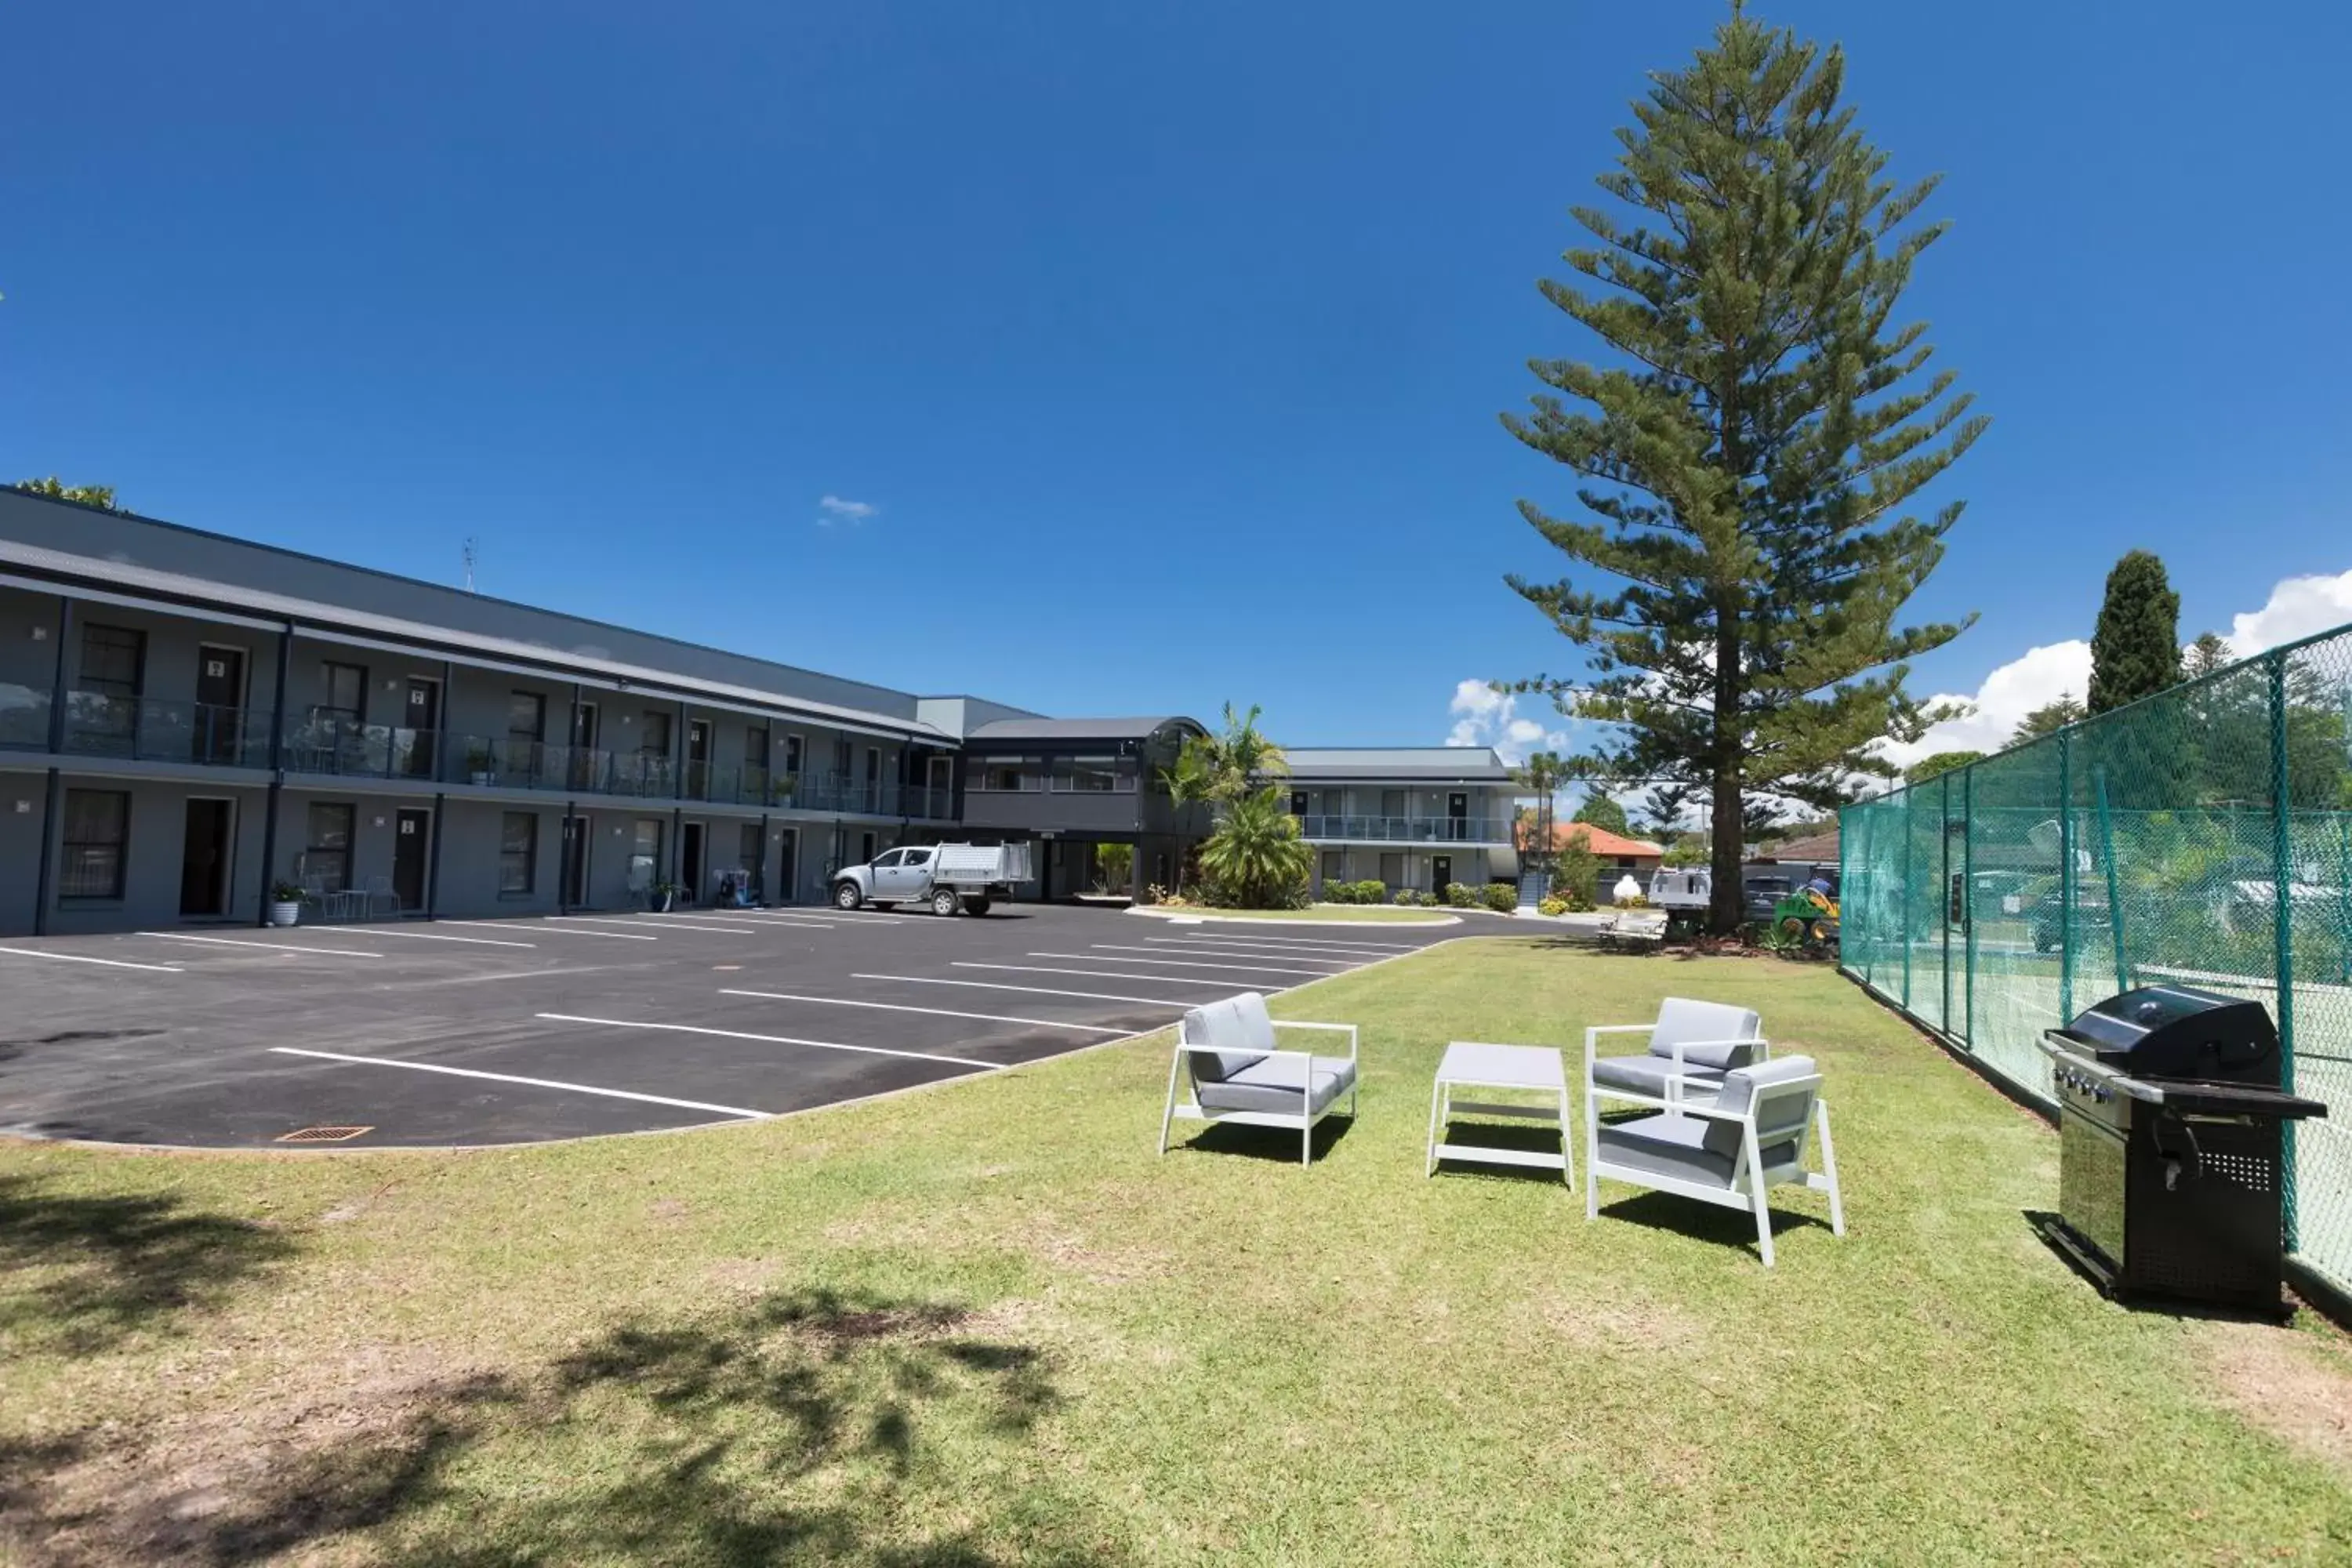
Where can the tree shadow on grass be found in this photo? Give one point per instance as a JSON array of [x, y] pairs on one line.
[[814, 1426], [106, 1267]]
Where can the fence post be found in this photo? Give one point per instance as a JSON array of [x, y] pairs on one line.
[[2283, 890], [2066, 879], [2115, 881], [1944, 897], [1968, 899], [1904, 923]]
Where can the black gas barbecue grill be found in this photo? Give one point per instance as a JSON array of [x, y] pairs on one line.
[[2169, 1146]]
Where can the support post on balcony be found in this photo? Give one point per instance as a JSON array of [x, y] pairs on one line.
[[677, 832], [277, 771], [58, 690], [441, 732], [678, 757], [433, 853], [53, 794], [759, 871]]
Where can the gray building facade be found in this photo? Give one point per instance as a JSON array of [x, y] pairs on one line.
[[188, 720]]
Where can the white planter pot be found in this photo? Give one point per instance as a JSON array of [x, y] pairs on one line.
[[285, 913]]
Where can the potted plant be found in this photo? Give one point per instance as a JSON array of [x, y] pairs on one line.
[[663, 895], [480, 769], [285, 903]]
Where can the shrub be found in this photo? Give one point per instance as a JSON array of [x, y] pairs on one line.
[[1425, 901], [1637, 903], [1371, 890], [1462, 895], [1407, 897], [1338, 892], [1555, 905], [1502, 898]]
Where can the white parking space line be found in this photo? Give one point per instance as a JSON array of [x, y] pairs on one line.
[[773, 1040], [875, 914], [935, 1012], [78, 958], [1101, 973], [436, 936], [756, 917], [1295, 961], [566, 930], [1032, 990], [753, 921], [1189, 963], [534, 1082], [1215, 952], [1224, 940], [658, 925], [264, 946]]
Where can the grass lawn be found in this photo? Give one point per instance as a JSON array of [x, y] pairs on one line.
[[986, 1324], [1381, 914]]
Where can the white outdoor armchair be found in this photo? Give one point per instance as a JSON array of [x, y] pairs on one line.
[[1690, 1047], [1233, 1071], [1730, 1151]]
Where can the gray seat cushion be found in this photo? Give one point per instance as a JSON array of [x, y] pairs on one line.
[[1238, 1031], [1686, 1148], [1274, 1085], [1648, 1075]]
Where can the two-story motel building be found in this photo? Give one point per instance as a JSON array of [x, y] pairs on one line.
[[187, 720]]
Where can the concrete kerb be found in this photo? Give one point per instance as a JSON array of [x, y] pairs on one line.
[[727, 1125], [1198, 917]]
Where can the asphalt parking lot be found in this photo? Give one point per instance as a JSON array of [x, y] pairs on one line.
[[466, 1032]]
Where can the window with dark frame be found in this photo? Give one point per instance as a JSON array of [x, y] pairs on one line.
[[792, 754], [526, 718], [653, 740], [344, 686], [755, 746], [518, 853], [113, 660], [97, 843], [327, 850]]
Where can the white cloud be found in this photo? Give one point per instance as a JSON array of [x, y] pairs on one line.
[[2034, 680], [833, 511], [1485, 717], [2297, 607]]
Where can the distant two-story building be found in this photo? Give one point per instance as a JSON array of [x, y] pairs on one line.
[[1409, 816], [188, 719]]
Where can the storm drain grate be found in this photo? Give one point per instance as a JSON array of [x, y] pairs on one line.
[[323, 1134]]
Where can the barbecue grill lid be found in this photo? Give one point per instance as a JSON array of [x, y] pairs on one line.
[[2181, 1031]]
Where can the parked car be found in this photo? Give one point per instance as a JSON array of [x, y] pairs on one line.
[[2050, 920], [1764, 895], [947, 876]]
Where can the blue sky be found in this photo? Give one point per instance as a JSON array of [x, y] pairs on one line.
[[1174, 336]]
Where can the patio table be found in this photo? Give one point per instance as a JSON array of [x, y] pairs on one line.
[[1475, 1064]]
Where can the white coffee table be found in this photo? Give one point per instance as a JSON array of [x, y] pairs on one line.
[[1474, 1064]]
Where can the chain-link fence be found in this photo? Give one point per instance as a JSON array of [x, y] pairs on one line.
[[2202, 836]]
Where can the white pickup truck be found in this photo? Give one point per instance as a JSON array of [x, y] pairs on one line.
[[947, 877]]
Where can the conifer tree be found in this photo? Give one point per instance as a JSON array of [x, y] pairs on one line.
[[2136, 650], [1747, 452]]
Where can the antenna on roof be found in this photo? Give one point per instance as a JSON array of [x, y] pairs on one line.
[[471, 554]]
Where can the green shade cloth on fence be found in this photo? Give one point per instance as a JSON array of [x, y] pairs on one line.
[[2203, 835]]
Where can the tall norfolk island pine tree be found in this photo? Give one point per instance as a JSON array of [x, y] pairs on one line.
[[1746, 457]]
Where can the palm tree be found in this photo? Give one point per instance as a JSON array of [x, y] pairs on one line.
[[1541, 775], [1191, 783], [1255, 856], [1242, 760]]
